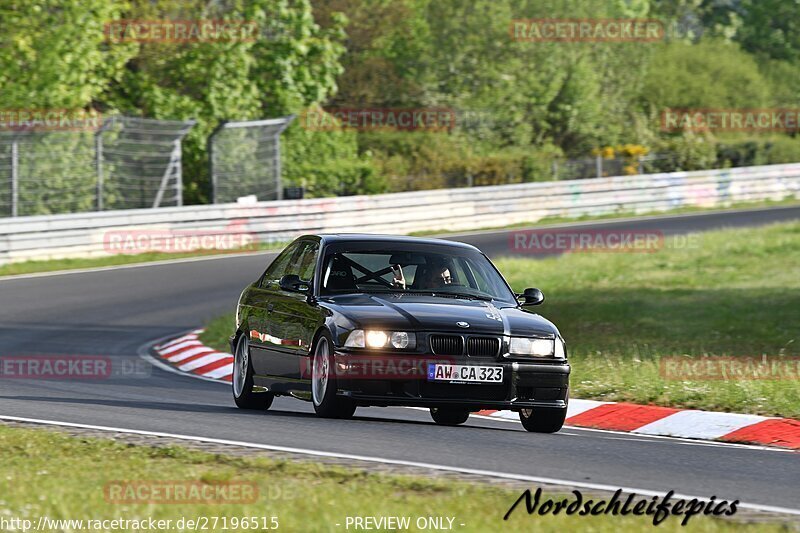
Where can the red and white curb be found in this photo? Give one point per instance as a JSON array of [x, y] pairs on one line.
[[684, 423], [187, 354]]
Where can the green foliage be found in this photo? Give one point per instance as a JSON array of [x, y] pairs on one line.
[[770, 28], [292, 65], [774, 150], [708, 74], [699, 295], [52, 53], [327, 163], [43, 191], [55, 55], [690, 151]]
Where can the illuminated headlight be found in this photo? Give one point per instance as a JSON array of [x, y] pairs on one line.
[[377, 339], [533, 347], [400, 340]]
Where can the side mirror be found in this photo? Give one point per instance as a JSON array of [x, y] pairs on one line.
[[530, 297], [293, 283]]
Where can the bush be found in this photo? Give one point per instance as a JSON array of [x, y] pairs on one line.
[[782, 150], [779, 149], [431, 160], [327, 163], [711, 74], [689, 151]]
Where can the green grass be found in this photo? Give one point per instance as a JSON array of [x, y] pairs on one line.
[[45, 473], [734, 293], [217, 332], [53, 265], [737, 293]]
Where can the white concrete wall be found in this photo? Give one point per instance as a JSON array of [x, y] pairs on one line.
[[87, 234]]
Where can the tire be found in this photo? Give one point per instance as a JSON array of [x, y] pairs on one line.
[[323, 383], [446, 416], [542, 420], [242, 380]]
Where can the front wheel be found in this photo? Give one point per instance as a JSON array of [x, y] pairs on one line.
[[242, 380], [542, 420], [449, 416], [323, 383]]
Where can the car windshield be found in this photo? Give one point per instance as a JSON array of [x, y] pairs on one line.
[[450, 273]]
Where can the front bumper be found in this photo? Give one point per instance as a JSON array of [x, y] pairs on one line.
[[525, 385]]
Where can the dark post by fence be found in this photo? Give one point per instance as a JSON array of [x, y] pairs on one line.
[[14, 178]]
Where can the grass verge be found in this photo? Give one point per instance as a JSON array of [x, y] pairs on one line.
[[731, 293], [734, 293], [46, 473]]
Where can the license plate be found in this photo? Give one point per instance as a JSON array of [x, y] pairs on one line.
[[465, 373]]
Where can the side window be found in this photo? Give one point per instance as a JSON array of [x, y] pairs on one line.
[[279, 265], [475, 278], [306, 262]]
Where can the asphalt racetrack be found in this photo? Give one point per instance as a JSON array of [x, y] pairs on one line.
[[117, 312]]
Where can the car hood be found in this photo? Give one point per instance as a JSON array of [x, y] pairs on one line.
[[431, 313]]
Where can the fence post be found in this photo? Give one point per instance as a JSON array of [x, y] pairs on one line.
[[173, 168], [277, 166], [14, 178], [98, 150], [178, 151], [99, 158], [599, 165], [212, 174]]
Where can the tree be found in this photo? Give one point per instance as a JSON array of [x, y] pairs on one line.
[[53, 53], [291, 65]]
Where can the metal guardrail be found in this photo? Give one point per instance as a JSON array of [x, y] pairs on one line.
[[86, 234]]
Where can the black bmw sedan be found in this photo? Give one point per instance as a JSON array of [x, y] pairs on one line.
[[352, 320]]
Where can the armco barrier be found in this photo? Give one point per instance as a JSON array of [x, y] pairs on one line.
[[83, 234]]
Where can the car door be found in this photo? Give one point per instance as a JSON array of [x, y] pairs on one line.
[[293, 319], [260, 301]]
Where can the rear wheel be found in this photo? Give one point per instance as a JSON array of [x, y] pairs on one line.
[[542, 420], [242, 380], [445, 416], [323, 383]]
